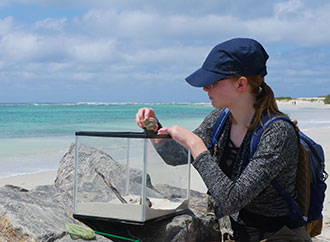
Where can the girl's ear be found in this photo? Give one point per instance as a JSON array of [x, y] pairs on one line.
[[242, 84]]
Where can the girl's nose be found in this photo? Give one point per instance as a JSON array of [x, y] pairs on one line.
[[207, 88]]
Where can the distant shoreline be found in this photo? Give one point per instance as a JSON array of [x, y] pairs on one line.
[[81, 103], [304, 99], [316, 102]]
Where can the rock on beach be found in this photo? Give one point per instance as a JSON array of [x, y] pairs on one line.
[[40, 214]]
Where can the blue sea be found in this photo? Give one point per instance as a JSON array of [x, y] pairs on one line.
[[34, 137]]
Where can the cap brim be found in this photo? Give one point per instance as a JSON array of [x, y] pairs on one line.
[[202, 78]]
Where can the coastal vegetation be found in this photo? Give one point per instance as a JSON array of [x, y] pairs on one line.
[[284, 98], [327, 99], [313, 100]]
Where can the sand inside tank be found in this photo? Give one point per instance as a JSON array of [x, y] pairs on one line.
[[131, 211]]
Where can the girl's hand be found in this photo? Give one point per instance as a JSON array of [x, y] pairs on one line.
[[143, 114], [186, 138]]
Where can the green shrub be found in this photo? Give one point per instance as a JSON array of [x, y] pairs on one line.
[[327, 99], [284, 98]]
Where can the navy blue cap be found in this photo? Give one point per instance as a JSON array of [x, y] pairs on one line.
[[239, 56]]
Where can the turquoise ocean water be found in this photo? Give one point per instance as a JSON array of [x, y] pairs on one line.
[[34, 137]]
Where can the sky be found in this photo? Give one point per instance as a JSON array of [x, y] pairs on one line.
[[141, 51]]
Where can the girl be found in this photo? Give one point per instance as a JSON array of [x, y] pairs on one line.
[[233, 77]]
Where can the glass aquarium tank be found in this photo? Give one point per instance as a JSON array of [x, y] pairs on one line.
[[130, 177]]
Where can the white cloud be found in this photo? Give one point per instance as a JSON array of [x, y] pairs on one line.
[[100, 51], [283, 9], [121, 43], [19, 46], [166, 55], [25, 47], [6, 25], [51, 24], [291, 21]]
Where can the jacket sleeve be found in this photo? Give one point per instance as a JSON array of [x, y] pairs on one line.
[[175, 154], [276, 153]]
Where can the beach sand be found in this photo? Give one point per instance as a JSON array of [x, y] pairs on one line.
[[30, 181], [304, 102], [321, 136]]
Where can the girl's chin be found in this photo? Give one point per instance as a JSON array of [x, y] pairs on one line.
[[216, 105]]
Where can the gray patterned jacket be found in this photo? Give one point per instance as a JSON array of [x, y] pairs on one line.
[[276, 157]]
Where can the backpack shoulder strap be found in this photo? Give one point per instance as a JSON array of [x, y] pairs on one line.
[[256, 135], [294, 210], [220, 123]]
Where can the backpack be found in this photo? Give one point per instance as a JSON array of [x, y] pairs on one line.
[[311, 174]]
